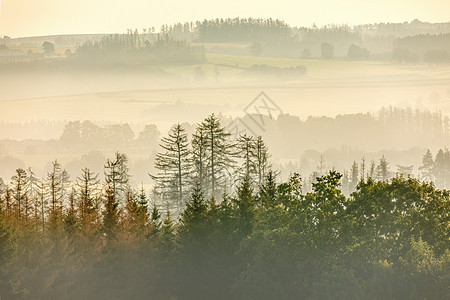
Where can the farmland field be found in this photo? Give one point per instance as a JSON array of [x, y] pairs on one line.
[[330, 87]]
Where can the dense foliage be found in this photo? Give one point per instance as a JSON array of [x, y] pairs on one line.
[[261, 238]]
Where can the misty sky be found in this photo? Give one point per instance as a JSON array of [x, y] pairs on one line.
[[44, 17]]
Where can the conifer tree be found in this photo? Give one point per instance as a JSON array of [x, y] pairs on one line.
[[441, 169], [194, 244], [363, 169], [55, 188], [116, 176], [155, 221], [219, 155], [19, 182], [193, 218], [246, 151], [41, 202], [8, 200], [262, 159], [7, 253], [268, 190], [87, 207], [70, 218], [354, 175], [245, 207], [383, 172], [142, 211], [372, 169], [427, 166], [110, 213], [199, 146], [174, 164]]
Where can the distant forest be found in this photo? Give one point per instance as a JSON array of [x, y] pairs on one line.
[[409, 42], [133, 46], [220, 224], [309, 147], [428, 42]]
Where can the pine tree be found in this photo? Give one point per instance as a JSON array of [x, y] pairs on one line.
[[194, 243], [174, 165], [383, 172], [87, 205], [142, 210], [427, 166], [155, 221], [7, 253], [245, 207], [70, 218], [268, 190], [363, 169], [41, 202], [19, 182], [55, 188], [219, 155], [116, 176], [110, 213], [167, 234], [262, 159], [199, 146], [441, 169], [354, 175], [371, 173], [193, 218], [33, 197], [246, 151]]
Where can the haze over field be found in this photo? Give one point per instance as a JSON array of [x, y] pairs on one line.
[[190, 150]]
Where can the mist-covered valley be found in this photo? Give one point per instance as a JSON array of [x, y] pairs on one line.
[[236, 158]]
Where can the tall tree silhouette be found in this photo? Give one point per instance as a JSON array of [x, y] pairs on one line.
[[174, 164]]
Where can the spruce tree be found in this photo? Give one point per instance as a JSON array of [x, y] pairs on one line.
[[219, 155], [354, 175], [245, 203], [363, 169], [199, 146], [427, 166], [19, 182], [155, 221], [268, 191], [116, 176], [142, 210], [7, 253], [193, 218], [383, 172], [246, 151], [441, 169], [174, 165], [55, 188], [262, 159], [87, 184], [371, 173], [110, 213]]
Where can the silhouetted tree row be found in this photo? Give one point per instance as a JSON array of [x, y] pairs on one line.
[[87, 135], [406, 121], [212, 161], [138, 47], [422, 42], [436, 169], [242, 30]]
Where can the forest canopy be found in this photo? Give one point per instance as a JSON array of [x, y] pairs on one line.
[[220, 224]]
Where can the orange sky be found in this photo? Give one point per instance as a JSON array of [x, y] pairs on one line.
[[44, 17]]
